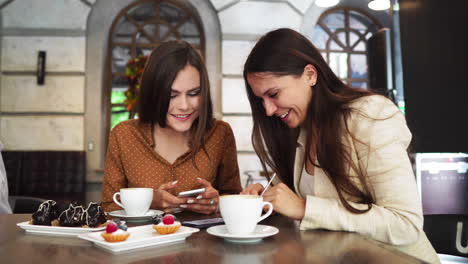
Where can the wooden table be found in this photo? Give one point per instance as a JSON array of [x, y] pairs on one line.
[[289, 246]]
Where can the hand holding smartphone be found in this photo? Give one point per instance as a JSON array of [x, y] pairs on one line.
[[191, 193]]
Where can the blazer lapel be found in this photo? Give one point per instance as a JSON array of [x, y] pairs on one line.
[[299, 160]]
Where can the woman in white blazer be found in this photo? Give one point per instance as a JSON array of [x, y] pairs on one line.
[[339, 152]]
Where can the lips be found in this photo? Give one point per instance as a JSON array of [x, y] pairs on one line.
[[284, 116], [182, 117]]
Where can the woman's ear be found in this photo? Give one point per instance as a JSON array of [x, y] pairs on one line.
[[310, 73]]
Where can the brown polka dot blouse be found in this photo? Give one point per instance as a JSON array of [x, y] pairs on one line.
[[132, 162]]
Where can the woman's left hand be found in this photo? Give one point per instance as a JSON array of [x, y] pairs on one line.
[[285, 201], [205, 203]]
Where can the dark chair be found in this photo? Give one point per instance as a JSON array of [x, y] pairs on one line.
[[448, 233], [24, 204], [54, 175], [443, 183]]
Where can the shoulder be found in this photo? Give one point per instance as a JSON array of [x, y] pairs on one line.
[[220, 124], [127, 128], [376, 115], [125, 125], [220, 132], [221, 127], [373, 106]]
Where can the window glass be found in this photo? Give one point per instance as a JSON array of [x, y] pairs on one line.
[[320, 37], [334, 20], [358, 21], [334, 45], [339, 64], [358, 66], [359, 85], [353, 38], [360, 46], [119, 114]]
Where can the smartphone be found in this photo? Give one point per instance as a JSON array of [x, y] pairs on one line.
[[204, 223], [191, 193]]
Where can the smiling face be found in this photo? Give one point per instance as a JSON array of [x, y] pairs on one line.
[[286, 97], [185, 100]]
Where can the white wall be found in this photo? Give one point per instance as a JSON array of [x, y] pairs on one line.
[[49, 116]]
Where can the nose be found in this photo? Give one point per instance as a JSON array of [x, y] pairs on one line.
[[270, 107], [183, 103]]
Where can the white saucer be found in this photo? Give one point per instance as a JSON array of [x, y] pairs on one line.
[[261, 231], [122, 215]]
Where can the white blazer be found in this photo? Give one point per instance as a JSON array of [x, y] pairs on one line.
[[380, 150]]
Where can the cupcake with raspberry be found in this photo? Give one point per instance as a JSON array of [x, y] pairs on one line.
[[166, 225], [115, 232]]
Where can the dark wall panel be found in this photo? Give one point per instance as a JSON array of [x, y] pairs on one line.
[[434, 42]]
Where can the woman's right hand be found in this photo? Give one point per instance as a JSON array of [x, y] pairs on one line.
[[163, 199], [255, 189]]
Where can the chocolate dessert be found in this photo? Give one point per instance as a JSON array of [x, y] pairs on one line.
[[72, 216], [93, 215], [45, 214]]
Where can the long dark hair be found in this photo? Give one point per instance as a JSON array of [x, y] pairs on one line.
[[160, 71], [286, 52]]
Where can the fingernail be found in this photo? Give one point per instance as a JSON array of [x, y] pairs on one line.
[[190, 201], [198, 178], [174, 182], [183, 206], [199, 197]]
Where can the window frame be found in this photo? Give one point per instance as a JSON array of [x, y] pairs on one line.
[[347, 47]]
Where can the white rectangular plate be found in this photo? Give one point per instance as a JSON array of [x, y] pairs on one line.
[[140, 237], [57, 230]]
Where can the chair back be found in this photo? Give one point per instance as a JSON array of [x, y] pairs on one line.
[[54, 175], [443, 185], [24, 204]]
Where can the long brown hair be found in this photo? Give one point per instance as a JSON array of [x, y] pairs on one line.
[[286, 52], [160, 71]]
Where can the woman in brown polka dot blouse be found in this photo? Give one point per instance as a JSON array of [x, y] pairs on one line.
[[175, 144]]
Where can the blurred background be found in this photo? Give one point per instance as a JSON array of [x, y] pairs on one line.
[[68, 71]]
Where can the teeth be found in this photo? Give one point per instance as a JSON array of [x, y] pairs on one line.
[[181, 116], [285, 114]]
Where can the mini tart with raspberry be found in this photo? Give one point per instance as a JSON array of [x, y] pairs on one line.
[[168, 225], [115, 233]]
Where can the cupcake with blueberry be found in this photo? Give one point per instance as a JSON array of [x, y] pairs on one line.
[[116, 231], [166, 225]]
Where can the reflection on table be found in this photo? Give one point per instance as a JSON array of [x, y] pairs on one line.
[[290, 245]]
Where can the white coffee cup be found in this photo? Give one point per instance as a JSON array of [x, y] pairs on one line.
[[241, 213], [135, 201]]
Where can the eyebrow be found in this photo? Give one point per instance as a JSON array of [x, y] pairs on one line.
[[191, 90]]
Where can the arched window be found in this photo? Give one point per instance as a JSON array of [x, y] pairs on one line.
[[341, 36], [138, 29]]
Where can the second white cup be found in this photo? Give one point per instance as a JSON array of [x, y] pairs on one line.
[[135, 201], [241, 213]]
